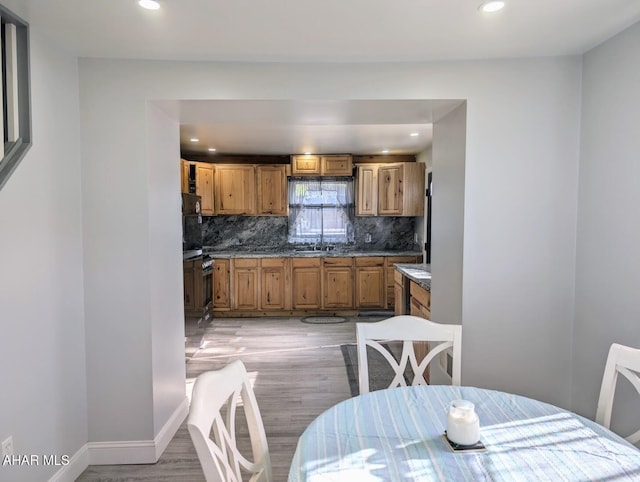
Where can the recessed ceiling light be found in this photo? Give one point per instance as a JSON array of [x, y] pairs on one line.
[[385, 151], [194, 139], [307, 153], [491, 6], [414, 134], [212, 149], [149, 4]]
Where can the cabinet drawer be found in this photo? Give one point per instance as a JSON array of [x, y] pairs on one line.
[[370, 261], [306, 262], [398, 277], [272, 262], [246, 262], [345, 262]]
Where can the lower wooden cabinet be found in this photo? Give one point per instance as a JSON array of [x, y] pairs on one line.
[[274, 284], [306, 283], [189, 286], [245, 285], [389, 262], [420, 301], [338, 283], [221, 285], [370, 282]]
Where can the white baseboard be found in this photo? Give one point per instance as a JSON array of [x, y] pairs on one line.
[[138, 451], [122, 453], [77, 464]]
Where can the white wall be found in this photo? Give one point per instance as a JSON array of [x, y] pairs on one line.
[[447, 223], [608, 264], [520, 210], [43, 388]]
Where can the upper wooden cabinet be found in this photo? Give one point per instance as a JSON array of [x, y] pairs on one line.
[[197, 178], [396, 189], [204, 187], [305, 165], [235, 189], [329, 165], [336, 165], [271, 182], [367, 190], [401, 189]]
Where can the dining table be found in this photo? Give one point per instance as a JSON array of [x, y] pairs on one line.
[[397, 434]]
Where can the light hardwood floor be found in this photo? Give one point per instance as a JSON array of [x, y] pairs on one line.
[[299, 373]]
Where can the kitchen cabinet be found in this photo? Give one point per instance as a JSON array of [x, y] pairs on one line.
[[336, 165], [338, 282], [189, 284], [245, 284], [396, 189], [420, 301], [235, 189], [370, 282], [306, 282], [184, 176], [327, 165], [389, 262], [400, 294], [221, 285], [367, 190], [274, 284], [401, 189], [204, 187], [420, 306], [305, 165], [271, 183]]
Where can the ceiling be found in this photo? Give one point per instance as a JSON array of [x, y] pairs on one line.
[[322, 31]]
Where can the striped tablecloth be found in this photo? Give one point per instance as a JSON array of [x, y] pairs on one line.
[[396, 435]]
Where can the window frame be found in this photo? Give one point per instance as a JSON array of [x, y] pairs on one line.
[[323, 237], [14, 150]]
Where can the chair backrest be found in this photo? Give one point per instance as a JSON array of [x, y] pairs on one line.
[[408, 329], [625, 360], [217, 392]]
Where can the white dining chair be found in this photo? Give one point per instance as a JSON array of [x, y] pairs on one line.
[[625, 360], [408, 329], [217, 392]]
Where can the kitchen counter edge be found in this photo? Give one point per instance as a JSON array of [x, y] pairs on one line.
[[306, 254], [416, 273]]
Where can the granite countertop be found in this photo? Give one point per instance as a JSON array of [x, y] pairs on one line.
[[295, 253], [420, 273]]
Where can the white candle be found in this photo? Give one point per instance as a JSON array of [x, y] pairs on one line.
[[463, 424]]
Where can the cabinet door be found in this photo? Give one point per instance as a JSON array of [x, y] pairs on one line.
[[390, 189], [235, 189], [398, 305], [305, 165], [367, 190], [272, 190], [204, 187], [189, 286], [221, 284], [338, 287], [245, 284], [336, 165], [274, 286], [370, 286], [184, 176], [306, 282]]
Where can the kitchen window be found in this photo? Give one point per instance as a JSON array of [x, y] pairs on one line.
[[321, 211], [15, 122]]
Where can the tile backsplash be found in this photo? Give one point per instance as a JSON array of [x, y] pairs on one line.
[[270, 232]]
